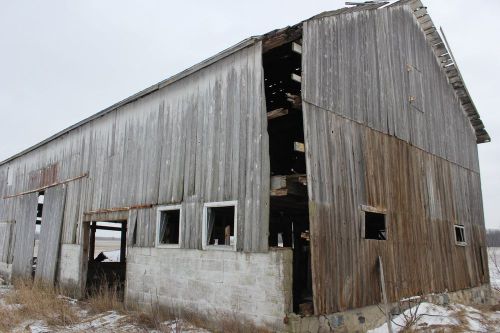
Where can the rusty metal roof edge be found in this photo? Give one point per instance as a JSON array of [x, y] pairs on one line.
[[205, 63]]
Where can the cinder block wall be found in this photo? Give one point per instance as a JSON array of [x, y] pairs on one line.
[[69, 269], [217, 285]]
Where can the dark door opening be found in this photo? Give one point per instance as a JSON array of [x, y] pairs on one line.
[[38, 228], [107, 250], [289, 213]]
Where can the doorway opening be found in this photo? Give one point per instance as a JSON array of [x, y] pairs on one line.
[[289, 213], [107, 255], [38, 228]]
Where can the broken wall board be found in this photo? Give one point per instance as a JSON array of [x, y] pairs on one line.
[[50, 234], [6, 232], [24, 235], [277, 113]]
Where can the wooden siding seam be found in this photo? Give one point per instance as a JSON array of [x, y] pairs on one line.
[[376, 130]]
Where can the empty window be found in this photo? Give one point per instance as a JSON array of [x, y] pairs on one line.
[[374, 226], [460, 234], [168, 226], [219, 228]]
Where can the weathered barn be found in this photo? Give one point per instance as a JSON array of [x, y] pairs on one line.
[[270, 178]]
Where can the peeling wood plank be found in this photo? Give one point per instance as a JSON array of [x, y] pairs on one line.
[[277, 113]]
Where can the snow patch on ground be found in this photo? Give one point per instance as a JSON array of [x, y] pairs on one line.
[[494, 265], [113, 256], [435, 318]]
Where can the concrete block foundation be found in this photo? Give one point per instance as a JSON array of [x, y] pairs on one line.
[[364, 319], [222, 287]]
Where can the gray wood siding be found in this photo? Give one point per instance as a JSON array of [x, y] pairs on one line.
[[366, 66], [366, 144], [6, 233], [24, 238], [50, 234], [201, 138]]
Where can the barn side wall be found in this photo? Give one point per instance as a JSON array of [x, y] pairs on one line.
[[199, 139], [383, 128], [225, 289]]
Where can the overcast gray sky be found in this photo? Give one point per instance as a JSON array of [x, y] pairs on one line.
[[62, 61]]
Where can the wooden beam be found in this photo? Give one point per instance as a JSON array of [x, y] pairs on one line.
[[123, 242], [280, 37], [296, 78], [92, 242], [299, 147], [295, 100], [277, 113], [40, 189], [119, 209], [284, 185], [278, 182], [297, 48], [279, 192], [97, 227]]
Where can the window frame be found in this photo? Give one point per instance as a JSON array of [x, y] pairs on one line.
[[159, 210], [457, 242], [369, 209], [206, 206]]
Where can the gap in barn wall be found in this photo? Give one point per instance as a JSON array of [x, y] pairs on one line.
[[289, 214]]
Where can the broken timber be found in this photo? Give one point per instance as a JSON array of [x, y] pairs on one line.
[[289, 185]]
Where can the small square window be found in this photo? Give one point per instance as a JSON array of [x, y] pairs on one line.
[[219, 225], [168, 227], [374, 226], [460, 235]]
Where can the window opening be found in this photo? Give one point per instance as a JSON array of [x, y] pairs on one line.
[[375, 226], [460, 235], [220, 225], [168, 226]]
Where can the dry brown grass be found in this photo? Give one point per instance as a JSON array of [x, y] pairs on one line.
[[31, 301], [104, 298], [9, 320]]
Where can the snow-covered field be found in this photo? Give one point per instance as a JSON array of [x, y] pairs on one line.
[[113, 256], [494, 264]]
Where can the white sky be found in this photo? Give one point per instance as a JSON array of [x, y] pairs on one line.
[[62, 61]]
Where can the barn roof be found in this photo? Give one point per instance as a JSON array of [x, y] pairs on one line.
[[281, 36]]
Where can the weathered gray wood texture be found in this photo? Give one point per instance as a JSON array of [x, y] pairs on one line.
[[50, 234], [376, 61], [24, 238], [366, 144], [201, 138], [6, 233]]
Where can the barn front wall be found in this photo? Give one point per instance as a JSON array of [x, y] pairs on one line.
[[385, 132], [198, 139], [224, 289]]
